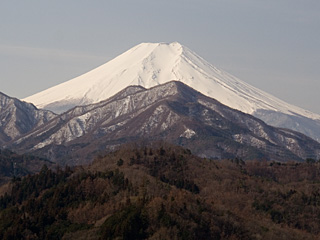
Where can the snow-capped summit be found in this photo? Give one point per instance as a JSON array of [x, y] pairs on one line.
[[151, 64]]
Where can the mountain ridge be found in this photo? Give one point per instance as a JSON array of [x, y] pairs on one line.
[[173, 112]]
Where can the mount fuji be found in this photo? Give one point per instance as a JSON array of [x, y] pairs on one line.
[[152, 64]]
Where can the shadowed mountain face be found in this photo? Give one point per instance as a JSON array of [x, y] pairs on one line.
[[172, 112], [18, 118], [14, 165]]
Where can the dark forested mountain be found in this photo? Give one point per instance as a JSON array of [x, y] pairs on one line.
[[15, 165], [162, 191], [18, 118], [172, 112]]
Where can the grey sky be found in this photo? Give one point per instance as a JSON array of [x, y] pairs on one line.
[[273, 45]]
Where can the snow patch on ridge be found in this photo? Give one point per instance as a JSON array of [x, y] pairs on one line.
[[188, 133]]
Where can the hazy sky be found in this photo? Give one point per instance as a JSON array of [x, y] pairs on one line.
[[273, 45]]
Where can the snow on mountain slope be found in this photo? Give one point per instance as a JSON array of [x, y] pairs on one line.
[[173, 112], [151, 64]]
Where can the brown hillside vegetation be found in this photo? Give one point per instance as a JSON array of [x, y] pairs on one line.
[[164, 192]]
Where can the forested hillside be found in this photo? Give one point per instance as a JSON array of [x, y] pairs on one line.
[[164, 192], [16, 165]]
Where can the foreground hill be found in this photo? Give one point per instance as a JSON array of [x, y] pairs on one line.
[[164, 192], [172, 112]]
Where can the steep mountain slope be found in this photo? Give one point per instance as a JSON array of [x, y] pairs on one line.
[[172, 112], [17, 118], [151, 64]]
